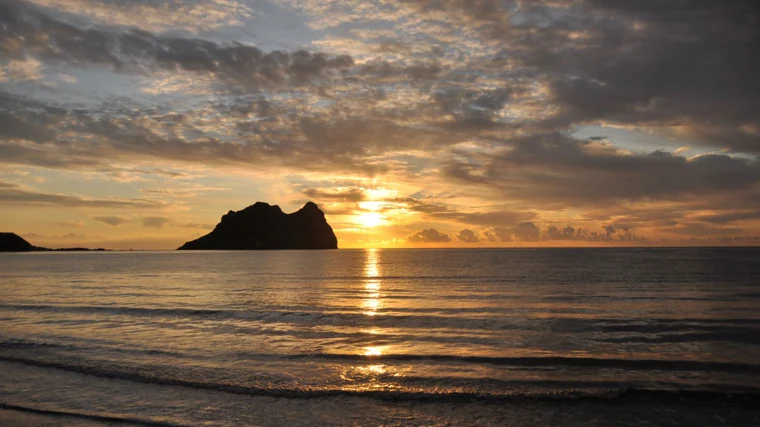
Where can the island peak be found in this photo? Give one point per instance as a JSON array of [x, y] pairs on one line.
[[265, 226], [12, 242]]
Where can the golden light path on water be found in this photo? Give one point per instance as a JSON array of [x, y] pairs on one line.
[[370, 304], [372, 301]]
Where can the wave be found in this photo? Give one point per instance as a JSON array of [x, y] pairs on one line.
[[23, 344], [630, 364], [438, 316], [734, 336], [747, 397], [526, 279], [169, 312], [516, 361], [396, 319], [86, 416]]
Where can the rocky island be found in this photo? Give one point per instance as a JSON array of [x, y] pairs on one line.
[[12, 242], [262, 226]]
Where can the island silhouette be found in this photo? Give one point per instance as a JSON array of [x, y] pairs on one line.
[[264, 226], [12, 242], [259, 226]]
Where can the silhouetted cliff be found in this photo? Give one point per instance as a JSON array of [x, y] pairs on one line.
[[12, 242], [262, 226]]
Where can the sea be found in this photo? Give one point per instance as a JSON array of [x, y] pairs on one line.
[[391, 337]]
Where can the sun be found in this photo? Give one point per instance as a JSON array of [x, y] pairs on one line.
[[369, 219]]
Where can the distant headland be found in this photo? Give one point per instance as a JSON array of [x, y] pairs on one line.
[[12, 242], [262, 226], [259, 226]]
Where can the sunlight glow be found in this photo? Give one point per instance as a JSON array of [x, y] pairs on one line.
[[369, 219], [371, 205], [377, 350]]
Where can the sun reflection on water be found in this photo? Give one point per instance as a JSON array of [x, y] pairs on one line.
[[375, 350], [371, 302], [374, 369], [369, 377]]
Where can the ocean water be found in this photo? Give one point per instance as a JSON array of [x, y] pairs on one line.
[[523, 337]]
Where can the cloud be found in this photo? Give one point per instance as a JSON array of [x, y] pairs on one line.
[[567, 233], [498, 234], [703, 230], [11, 193], [320, 141], [113, 221], [621, 62], [526, 232], [336, 194], [202, 226], [73, 236], [729, 217], [607, 234], [383, 72], [428, 236], [471, 110], [71, 224], [185, 191], [439, 211], [131, 132], [155, 221], [24, 127], [138, 51], [67, 78], [652, 81], [68, 236], [522, 232], [156, 16], [529, 232], [467, 236], [559, 170], [23, 69]]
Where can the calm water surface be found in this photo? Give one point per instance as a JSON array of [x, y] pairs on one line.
[[382, 337]]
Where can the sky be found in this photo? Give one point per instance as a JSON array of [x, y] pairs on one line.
[[411, 123]]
